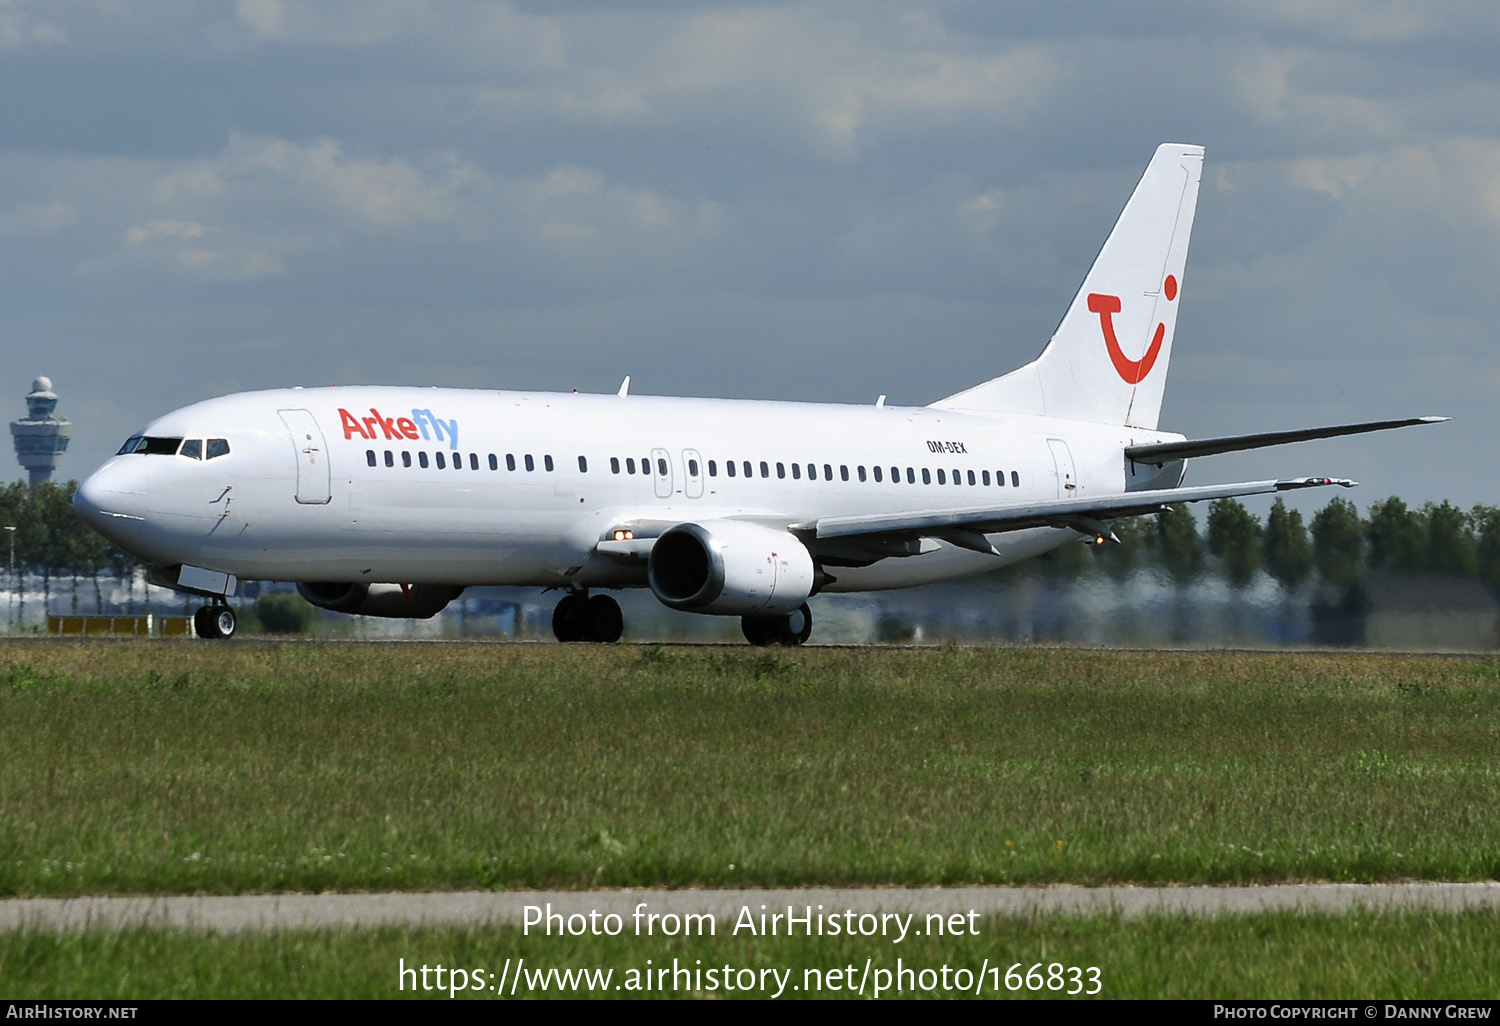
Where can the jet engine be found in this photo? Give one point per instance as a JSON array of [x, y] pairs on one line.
[[731, 567], [415, 602]]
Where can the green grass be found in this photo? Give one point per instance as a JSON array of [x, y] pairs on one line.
[[1449, 956], [162, 767]]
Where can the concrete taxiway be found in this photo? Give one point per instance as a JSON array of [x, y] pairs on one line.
[[232, 914]]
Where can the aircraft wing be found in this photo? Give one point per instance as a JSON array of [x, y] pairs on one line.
[[1164, 451], [1088, 514]]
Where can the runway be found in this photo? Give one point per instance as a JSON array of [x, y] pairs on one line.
[[235, 914]]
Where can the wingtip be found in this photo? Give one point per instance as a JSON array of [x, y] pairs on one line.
[[1314, 482]]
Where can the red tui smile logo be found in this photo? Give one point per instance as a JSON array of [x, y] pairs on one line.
[[1132, 371]]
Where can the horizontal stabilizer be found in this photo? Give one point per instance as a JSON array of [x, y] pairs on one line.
[[1193, 447], [1045, 513]]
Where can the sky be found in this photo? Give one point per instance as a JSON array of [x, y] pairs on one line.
[[819, 201]]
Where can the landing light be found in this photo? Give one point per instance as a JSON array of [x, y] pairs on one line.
[[624, 535]]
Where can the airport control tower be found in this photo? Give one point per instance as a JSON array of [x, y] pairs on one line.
[[41, 436]]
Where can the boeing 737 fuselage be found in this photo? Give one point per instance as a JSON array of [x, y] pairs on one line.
[[390, 501]]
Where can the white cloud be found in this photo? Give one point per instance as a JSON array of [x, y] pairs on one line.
[[36, 219], [163, 229], [331, 22], [571, 204], [390, 191], [229, 264], [265, 18], [1456, 181], [18, 28]]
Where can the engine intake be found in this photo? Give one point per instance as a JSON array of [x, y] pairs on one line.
[[731, 567], [418, 602]]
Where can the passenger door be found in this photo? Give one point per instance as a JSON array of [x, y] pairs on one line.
[[311, 454], [661, 473]]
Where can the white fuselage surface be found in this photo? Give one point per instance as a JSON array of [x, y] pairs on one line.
[[467, 487]]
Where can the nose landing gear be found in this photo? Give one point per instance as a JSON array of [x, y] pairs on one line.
[[215, 621]]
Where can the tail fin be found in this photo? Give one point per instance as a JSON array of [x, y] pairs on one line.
[[1107, 361]]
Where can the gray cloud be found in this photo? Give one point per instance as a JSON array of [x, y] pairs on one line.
[[790, 200]]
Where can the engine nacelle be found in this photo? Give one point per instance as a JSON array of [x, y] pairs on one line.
[[731, 567], [418, 602]]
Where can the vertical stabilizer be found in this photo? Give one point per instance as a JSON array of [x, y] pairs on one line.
[[1107, 361]]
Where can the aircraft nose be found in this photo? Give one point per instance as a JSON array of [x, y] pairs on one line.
[[112, 500]]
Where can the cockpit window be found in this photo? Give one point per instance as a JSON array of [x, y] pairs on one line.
[[192, 449], [150, 446], [218, 447]]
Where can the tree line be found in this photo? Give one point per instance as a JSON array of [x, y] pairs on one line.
[[1337, 549], [49, 539]]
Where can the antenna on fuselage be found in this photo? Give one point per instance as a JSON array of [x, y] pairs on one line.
[[624, 387], [880, 403]]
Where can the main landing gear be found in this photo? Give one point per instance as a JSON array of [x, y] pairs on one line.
[[214, 622], [581, 618], [789, 631]]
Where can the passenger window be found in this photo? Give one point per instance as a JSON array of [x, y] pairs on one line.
[[661, 467], [473, 461], [956, 478], [911, 476], [405, 458], [370, 457], [192, 449], [217, 447], [614, 464], [494, 463], [1015, 479], [878, 476], [748, 472], [765, 469], [530, 463], [985, 476], [812, 471], [692, 468], [828, 473], [1000, 478], [844, 473], [630, 465], [971, 478], [547, 463], [442, 462], [422, 459], [510, 461], [390, 458], [583, 465], [781, 470], [861, 473], [728, 467], [797, 471], [941, 478], [926, 476]]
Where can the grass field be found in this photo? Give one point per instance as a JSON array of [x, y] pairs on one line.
[[1285, 956], [162, 767]]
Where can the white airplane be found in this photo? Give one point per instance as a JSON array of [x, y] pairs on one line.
[[389, 501]]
